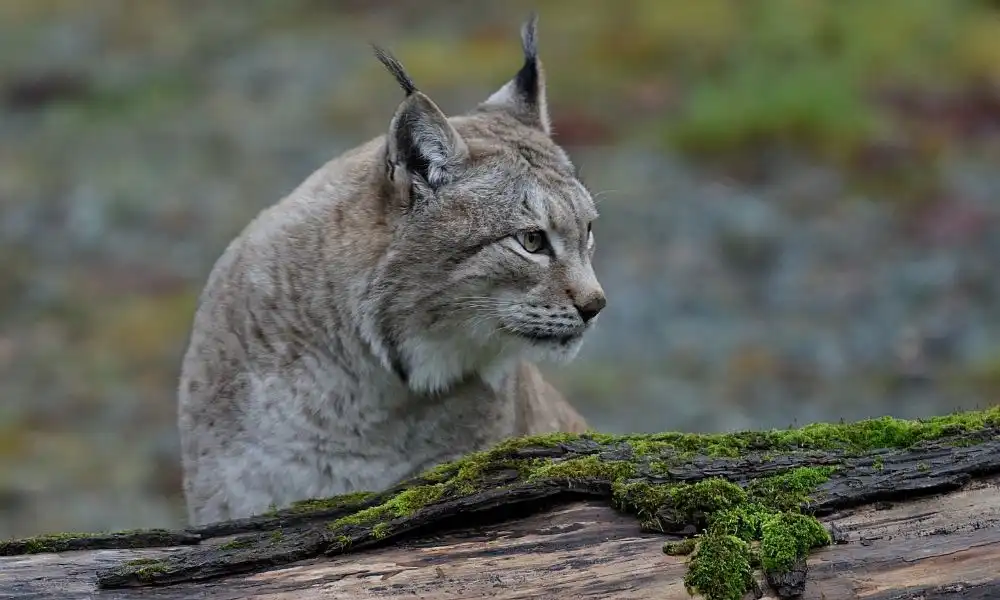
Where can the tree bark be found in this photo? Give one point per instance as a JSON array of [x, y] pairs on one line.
[[917, 522]]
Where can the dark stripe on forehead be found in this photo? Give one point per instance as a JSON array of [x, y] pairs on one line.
[[564, 196], [550, 206], [543, 157]]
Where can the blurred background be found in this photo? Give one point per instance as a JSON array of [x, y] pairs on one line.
[[799, 205]]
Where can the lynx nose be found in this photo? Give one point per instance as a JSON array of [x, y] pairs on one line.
[[591, 308]]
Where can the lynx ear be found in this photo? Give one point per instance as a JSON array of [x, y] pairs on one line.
[[524, 95], [421, 141]]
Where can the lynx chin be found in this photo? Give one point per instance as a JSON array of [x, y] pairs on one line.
[[384, 317]]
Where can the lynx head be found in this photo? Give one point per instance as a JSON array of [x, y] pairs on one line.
[[490, 258]]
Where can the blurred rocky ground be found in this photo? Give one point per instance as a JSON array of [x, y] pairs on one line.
[[799, 198]]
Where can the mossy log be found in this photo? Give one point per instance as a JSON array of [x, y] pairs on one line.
[[879, 509]]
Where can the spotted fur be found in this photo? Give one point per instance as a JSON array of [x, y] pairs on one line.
[[385, 316]]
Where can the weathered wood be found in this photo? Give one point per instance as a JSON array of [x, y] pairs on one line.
[[941, 547], [151, 538], [916, 522]]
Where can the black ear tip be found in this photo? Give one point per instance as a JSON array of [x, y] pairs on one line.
[[395, 68], [529, 37]]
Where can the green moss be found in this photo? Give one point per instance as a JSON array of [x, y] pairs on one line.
[[787, 537], [767, 510], [236, 544], [660, 467], [731, 518], [277, 535], [681, 548], [784, 536], [707, 496], [342, 542], [720, 568], [463, 475], [342, 501], [640, 497], [400, 505], [878, 464], [745, 521], [53, 542], [590, 466], [788, 490], [145, 569], [664, 450], [691, 502], [718, 445], [861, 436]]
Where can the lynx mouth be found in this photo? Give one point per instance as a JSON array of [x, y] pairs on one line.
[[562, 340]]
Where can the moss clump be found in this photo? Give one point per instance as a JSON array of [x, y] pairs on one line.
[[61, 542], [788, 536], [706, 496], [342, 501], [789, 490], [590, 466], [400, 505], [53, 542], [745, 521], [341, 542], [145, 569], [720, 568], [663, 450], [690, 502], [642, 498], [766, 511], [858, 437], [681, 548], [237, 543], [68, 542], [720, 445], [464, 475]]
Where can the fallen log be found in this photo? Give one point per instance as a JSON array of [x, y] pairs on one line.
[[883, 508]]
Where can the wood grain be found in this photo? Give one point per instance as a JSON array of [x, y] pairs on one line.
[[914, 524], [943, 546]]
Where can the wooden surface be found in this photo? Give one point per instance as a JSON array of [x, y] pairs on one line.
[[921, 522], [939, 547]]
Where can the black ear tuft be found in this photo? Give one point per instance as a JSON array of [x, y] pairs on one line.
[[527, 79], [396, 68], [524, 94]]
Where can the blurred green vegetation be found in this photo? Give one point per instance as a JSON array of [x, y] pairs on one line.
[[849, 82], [880, 89], [171, 122]]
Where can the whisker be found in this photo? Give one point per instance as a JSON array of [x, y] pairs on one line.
[[596, 197]]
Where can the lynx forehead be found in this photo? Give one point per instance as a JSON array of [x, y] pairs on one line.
[[383, 317]]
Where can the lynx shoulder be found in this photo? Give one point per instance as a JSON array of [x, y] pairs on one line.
[[386, 315]]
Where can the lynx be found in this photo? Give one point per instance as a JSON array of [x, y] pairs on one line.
[[385, 316]]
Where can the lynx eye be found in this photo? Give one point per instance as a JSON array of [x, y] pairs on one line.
[[533, 241]]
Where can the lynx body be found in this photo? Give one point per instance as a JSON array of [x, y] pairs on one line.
[[385, 316]]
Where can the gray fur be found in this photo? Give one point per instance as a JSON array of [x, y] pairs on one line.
[[383, 317]]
